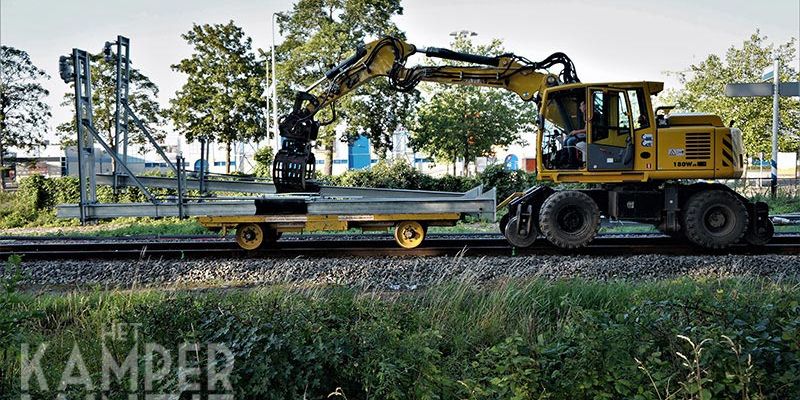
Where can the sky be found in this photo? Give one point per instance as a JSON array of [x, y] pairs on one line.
[[608, 40]]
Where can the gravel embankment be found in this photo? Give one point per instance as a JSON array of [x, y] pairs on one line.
[[397, 273]]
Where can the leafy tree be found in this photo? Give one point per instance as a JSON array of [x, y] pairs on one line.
[[704, 91], [23, 112], [466, 122], [222, 98], [142, 97], [263, 158], [377, 111], [318, 34]]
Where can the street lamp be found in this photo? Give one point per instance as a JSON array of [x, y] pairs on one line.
[[463, 33], [275, 90]]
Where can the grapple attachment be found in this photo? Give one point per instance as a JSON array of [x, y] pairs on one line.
[[294, 165]]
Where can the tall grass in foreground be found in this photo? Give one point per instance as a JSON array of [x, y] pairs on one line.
[[522, 339]]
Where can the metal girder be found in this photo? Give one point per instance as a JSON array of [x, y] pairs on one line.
[[472, 202], [216, 185], [115, 210]]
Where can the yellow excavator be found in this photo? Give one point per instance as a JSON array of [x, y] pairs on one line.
[[632, 160]]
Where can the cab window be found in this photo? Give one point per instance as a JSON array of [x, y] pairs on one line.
[[638, 108], [610, 119]]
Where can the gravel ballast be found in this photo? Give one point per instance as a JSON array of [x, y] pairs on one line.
[[397, 273]]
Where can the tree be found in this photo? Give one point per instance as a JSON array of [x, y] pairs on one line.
[[466, 122], [263, 158], [318, 34], [142, 97], [704, 91], [377, 111], [222, 99], [23, 112]]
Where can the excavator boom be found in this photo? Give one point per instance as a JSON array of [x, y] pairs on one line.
[[294, 165]]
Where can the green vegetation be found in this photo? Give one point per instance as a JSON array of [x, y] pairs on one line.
[[319, 34], [703, 87], [221, 100], [402, 175], [23, 112], [457, 122], [684, 339]]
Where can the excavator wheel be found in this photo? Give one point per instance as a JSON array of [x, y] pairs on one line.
[[569, 219], [714, 219], [517, 239]]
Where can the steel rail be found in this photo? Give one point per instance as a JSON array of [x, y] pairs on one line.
[[379, 247]]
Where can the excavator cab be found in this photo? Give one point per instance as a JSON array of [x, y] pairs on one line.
[[561, 116], [605, 118]]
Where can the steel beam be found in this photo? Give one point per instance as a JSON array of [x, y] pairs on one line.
[[216, 185], [116, 210]]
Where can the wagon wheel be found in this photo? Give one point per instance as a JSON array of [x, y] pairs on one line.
[[249, 236], [409, 234], [252, 236]]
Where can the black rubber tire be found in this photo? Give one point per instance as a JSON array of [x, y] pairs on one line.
[[762, 239], [515, 239], [714, 219], [569, 219]]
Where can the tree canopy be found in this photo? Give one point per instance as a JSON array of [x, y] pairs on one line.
[[222, 99], [704, 91], [23, 113], [318, 34], [466, 122], [142, 97]]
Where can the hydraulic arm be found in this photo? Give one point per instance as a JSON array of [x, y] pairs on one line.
[[294, 165]]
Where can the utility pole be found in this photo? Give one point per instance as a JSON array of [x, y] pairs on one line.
[[775, 121], [267, 94], [274, 89], [776, 89]]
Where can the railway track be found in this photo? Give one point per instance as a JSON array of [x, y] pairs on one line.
[[363, 246]]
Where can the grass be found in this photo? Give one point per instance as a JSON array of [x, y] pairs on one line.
[[517, 339], [118, 227]]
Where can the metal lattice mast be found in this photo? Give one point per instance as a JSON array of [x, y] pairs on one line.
[[83, 118], [123, 74]]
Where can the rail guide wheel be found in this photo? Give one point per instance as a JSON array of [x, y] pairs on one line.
[[253, 236], [409, 234], [519, 239]]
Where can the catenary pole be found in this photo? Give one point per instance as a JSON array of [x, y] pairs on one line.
[[775, 121], [274, 89]]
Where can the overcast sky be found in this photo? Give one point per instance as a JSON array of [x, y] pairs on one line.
[[613, 40]]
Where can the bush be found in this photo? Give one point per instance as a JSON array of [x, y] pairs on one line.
[[685, 339], [402, 175]]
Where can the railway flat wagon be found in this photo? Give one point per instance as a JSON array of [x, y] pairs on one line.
[[260, 221]]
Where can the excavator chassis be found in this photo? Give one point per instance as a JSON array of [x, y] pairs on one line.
[[710, 215]]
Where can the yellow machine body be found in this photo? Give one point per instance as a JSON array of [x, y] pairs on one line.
[[662, 147], [605, 134]]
